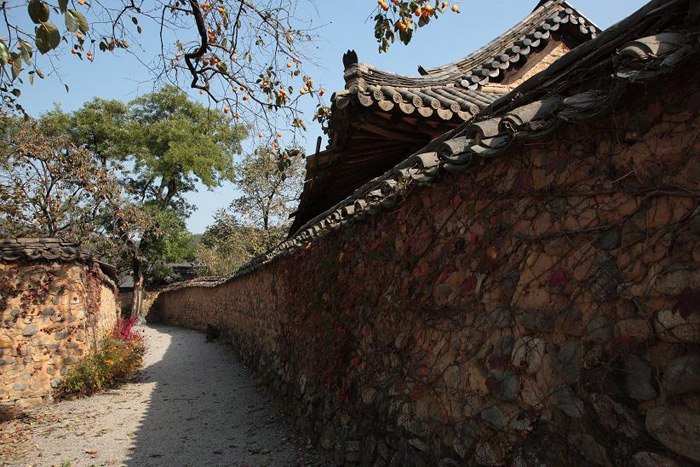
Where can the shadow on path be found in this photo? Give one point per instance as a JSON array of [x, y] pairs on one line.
[[205, 410]]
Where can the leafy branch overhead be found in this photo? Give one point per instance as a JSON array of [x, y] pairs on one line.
[[247, 57], [397, 19]]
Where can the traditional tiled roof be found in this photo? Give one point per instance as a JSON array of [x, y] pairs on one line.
[[49, 249], [382, 116], [461, 89], [656, 41]]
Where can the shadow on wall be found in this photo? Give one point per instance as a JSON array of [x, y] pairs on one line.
[[206, 410]]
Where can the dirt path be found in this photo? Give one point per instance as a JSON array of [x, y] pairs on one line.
[[193, 405]]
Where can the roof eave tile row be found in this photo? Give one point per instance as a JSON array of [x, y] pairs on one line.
[[490, 60], [446, 102], [637, 62], [49, 249], [53, 250], [524, 46], [455, 91]]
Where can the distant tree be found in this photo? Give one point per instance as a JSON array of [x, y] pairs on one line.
[[49, 186], [177, 245], [160, 146], [227, 244], [173, 144], [257, 220], [269, 188]]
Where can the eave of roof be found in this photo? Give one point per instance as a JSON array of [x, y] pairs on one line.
[[459, 90], [446, 102]]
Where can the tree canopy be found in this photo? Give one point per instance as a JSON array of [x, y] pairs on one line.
[[258, 219], [227, 244], [174, 143], [168, 142], [267, 190], [100, 126], [115, 174], [49, 186]]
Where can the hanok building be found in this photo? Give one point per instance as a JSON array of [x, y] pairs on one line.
[[380, 117]]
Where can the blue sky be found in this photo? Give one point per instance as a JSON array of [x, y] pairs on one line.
[[344, 25]]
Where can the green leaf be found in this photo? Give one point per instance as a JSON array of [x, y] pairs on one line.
[[75, 21], [16, 65], [63, 5], [4, 52], [47, 37], [26, 50], [72, 23], [84, 26], [38, 11]]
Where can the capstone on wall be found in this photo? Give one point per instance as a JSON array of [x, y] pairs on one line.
[[542, 308], [52, 314]]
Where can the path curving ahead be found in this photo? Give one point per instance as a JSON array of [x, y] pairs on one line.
[[193, 405]]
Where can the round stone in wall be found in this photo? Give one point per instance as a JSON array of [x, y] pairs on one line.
[[676, 428]]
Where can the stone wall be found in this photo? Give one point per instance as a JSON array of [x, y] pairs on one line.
[[52, 314], [542, 307]]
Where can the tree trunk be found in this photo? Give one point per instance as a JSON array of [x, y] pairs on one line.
[[137, 300]]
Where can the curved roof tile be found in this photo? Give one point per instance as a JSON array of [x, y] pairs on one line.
[[455, 91]]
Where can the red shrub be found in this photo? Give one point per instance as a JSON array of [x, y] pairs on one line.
[[124, 330]]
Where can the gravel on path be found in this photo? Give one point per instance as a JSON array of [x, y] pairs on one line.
[[192, 405]]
